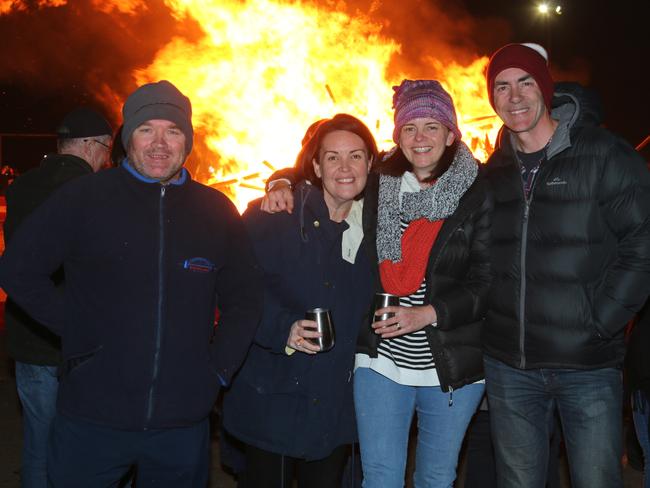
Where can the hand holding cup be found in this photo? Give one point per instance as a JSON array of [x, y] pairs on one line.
[[323, 320], [385, 306], [301, 334]]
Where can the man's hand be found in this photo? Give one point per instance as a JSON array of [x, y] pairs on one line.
[[278, 199]]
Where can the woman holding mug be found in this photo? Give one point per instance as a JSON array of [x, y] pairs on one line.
[[291, 405], [431, 230]]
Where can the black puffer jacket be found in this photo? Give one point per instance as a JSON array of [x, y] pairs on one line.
[[572, 264], [458, 280]]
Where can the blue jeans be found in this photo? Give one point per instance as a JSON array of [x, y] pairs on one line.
[[384, 412], [37, 389], [522, 404], [82, 455], [641, 413]]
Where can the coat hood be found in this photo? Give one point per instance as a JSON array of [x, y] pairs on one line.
[[574, 106]]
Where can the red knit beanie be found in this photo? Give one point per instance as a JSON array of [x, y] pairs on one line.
[[528, 57]]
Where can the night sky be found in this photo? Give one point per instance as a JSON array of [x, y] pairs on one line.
[[606, 41], [53, 59]]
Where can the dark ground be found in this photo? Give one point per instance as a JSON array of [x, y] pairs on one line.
[[11, 438]]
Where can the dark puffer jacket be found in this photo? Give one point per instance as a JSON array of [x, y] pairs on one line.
[[458, 280], [572, 263]]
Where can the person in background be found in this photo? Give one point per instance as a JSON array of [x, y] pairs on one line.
[[118, 153], [291, 404], [637, 369], [83, 141], [570, 248], [148, 255]]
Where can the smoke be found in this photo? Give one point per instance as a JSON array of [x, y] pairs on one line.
[[79, 49], [57, 46], [428, 29]]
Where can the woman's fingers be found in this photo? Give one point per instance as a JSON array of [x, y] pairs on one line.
[[405, 320], [301, 332], [278, 200]]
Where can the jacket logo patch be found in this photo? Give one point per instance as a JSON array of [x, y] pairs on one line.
[[556, 181], [199, 265]]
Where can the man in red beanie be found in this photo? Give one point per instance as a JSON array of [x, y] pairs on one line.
[[571, 241]]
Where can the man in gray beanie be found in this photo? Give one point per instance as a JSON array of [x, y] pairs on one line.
[[160, 100], [149, 255], [157, 108]]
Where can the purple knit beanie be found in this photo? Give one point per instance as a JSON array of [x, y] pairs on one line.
[[423, 98]]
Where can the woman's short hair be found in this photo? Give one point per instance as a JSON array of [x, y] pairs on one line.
[[311, 149]]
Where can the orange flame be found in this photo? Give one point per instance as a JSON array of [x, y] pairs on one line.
[[259, 72], [265, 70]]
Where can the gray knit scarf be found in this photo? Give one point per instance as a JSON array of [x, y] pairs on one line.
[[436, 202]]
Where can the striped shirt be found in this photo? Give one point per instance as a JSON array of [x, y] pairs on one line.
[[406, 359]]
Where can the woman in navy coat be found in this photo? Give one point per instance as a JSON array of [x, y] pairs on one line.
[[291, 405]]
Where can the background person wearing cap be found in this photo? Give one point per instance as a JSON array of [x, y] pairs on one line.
[[83, 140], [570, 257], [148, 253]]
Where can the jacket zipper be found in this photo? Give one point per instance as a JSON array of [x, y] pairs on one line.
[[528, 199], [430, 335], [156, 356], [522, 284]]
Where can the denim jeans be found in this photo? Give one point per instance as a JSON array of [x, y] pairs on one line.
[[522, 405], [384, 412], [37, 389], [640, 414]]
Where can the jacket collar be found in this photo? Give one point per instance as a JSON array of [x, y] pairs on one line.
[[567, 114], [313, 212], [68, 159], [180, 181]]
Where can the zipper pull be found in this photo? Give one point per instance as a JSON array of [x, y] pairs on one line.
[[451, 396], [162, 191]]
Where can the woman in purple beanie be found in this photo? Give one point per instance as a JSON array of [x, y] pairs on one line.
[[431, 227]]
